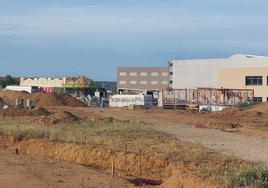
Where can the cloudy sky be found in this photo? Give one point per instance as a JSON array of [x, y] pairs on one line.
[[93, 37]]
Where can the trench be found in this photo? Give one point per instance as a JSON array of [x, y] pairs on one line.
[[125, 164]]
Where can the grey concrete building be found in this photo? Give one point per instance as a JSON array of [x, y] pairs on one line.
[[142, 78]]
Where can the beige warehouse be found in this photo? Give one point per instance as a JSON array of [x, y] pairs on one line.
[[246, 78]]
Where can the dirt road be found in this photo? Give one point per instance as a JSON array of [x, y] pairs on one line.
[[242, 146], [28, 171]]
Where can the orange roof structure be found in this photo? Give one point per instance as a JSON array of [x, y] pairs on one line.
[[79, 82]]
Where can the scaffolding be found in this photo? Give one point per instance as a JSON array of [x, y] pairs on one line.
[[177, 98]]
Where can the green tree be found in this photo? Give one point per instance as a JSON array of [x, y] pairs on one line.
[[8, 81]]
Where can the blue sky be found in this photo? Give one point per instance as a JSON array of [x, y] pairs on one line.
[[93, 37]]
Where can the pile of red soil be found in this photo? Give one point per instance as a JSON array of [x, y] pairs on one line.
[[42, 99]]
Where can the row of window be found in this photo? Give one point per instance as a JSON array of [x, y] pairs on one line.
[[133, 82], [143, 74], [255, 80]]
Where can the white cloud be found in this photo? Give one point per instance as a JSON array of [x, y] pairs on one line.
[[158, 20]]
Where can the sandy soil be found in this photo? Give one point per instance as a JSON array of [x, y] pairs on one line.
[[42, 172], [247, 147]]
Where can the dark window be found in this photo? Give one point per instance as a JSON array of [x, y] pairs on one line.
[[257, 99], [253, 80], [170, 81], [170, 64], [171, 73]]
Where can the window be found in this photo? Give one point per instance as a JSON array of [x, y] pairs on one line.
[[154, 73], [133, 82], [122, 73], [154, 82], [164, 82], [253, 80], [143, 82], [171, 73], [144, 73], [133, 74], [257, 99], [164, 73], [171, 64], [122, 82], [171, 82]]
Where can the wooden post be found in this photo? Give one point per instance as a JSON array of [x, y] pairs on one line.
[[126, 158], [112, 173], [140, 162]]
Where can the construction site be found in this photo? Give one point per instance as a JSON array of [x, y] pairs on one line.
[[155, 131], [53, 136]]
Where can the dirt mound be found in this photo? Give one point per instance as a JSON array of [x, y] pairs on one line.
[[263, 107], [223, 125], [42, 99], [233, 118], [49, 118], [57, 100]]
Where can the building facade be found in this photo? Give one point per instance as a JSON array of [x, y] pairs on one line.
[[204, 72], [246, 78], [142, 78], [44, 82]]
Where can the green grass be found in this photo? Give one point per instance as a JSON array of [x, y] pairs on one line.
[[248, 177], [246, 106], [196, 159]]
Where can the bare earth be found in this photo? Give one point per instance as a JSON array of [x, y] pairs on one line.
[[42, 172], [247, 147], [241, 146]]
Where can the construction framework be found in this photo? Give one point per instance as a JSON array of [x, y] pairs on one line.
[[181, 98]]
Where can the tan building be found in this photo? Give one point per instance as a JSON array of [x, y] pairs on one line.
[[142, 78], [57, 82], [43, 82], [246, 78]]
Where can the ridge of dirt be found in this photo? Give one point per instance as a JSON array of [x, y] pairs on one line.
[[42, 99], [152, 167]]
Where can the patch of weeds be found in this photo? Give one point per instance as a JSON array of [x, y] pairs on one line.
[[204, 172], [248, 177], [245, 106]]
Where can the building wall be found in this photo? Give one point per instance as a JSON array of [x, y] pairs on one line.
[[43, 82], [235, 78], [204, 72], [142, 78]]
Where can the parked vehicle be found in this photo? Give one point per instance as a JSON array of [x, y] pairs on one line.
[[131, 100]]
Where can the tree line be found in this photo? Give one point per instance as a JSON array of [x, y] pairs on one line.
[[8, 81]]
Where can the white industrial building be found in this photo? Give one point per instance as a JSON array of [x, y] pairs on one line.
[[204, 72]]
